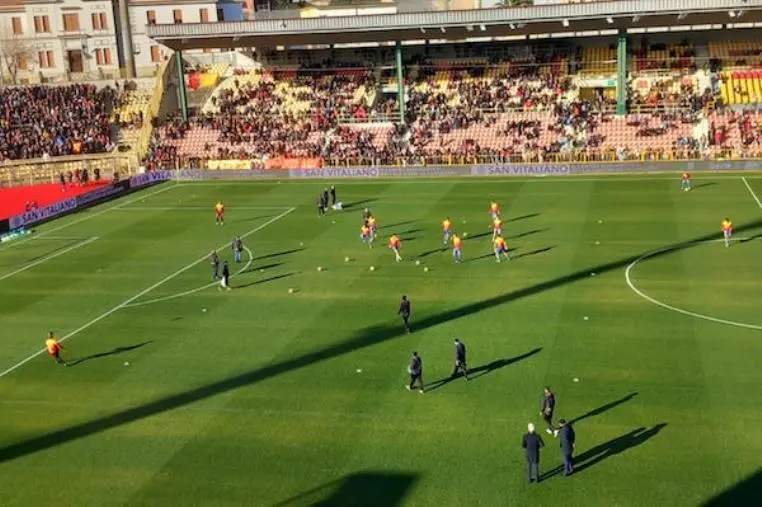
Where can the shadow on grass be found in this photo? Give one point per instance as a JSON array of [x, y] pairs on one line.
[[278, 254], [254, 269], [533, 252], [705, 184], [528, 233], [746, 492], [357, 204], [610, 448], [604, 408], [523, 217], [367, 337], [397, 224], [482, 370], [432, 252], [265, 280], [368, 489], [114, 352], [486, 256]]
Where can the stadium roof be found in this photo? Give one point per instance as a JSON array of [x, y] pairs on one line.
[[460, 25]]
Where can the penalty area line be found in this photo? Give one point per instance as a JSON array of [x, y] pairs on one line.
[[193, 291], [751, 191], [137, 296], [49, 257]]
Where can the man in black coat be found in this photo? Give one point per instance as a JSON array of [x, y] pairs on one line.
[[416, 373], [460, 359], [547, 406], [532, 443], [404, 311], [567, 437]]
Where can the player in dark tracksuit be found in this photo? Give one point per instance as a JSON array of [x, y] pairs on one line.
[[325, 198], [547, 406], [416, 373], [237, 247], [333, 195], [320, 205], [225, 280], [404, 311], [215, 261], [460, 359]]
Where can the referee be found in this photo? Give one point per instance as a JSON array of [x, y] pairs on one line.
[[404, 311], [460, 360]]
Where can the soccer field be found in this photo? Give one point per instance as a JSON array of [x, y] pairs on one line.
[[620, 295]]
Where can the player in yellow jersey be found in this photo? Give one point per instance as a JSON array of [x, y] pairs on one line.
[[219, 211], [497, 228], [457, 249], [54, 348], [365, 236], [727, 231], [685, 181], [501, 249], [394, 245], [494, 209], [446, 230], [371, 222]]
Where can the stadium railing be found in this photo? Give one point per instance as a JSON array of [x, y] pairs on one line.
[[37, 171]]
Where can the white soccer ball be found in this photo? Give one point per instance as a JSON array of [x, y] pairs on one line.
[[346, 259], [586, 317], [417, 263], [426, 269], [126, 363], [592, 274], [290, 291], [372, 268], [576, 379], [320, 268], [465, 234], [204, 310]]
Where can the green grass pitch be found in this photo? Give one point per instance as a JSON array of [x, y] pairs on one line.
[[184, 395]]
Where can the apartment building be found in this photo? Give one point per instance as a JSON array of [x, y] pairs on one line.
[[55, 40]]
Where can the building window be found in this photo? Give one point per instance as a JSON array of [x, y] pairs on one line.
[[46, 59], [71, 22], [17, 28], [155, 54], [100, 21], [203, 15], [151, 17], [103, 56], [177, 16], [41, 24]]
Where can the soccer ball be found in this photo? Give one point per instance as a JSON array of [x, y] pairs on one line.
[[417, 263], [290, 291], [346, 259], [426, 269], [372, 268], [465, 234], [320, 268]]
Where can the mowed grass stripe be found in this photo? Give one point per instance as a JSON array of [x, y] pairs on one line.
[[263, 439]]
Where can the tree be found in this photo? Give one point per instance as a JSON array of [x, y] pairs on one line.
[[16, 52]]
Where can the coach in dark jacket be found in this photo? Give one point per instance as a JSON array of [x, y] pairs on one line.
[[532, 443], [567, 437]]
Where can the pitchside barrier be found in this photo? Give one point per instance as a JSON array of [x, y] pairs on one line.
[[336, 173]]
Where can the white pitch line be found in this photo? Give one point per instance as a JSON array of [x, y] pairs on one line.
[[689, 313], [49, 257], [759, 203], [199, 208], [97, 214], [139, 295], [193, 291]]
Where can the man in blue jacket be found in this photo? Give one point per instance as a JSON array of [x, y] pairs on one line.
[[567, 437]]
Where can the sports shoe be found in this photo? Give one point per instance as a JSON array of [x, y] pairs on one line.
[[407, 387], [548, 431], [555, 433]]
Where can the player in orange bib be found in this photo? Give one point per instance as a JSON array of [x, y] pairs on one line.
[[685, 182], [394, 245], [727, 231], [497, 228], [365, 236], [54, 348], [494, 208], [457, 248], [501, 249], [371, 222], [219, 211], [446, 230]]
